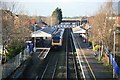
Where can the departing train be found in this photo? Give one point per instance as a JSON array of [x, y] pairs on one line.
[[57, 38]]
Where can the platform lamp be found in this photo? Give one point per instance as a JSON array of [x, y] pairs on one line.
[[33, 22], [34, 26], [114, 47]]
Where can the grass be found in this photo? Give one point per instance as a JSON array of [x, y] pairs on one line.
[[104, 61]]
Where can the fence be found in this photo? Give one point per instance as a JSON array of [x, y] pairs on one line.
[[115, 65], [14, 63], [111, 60]]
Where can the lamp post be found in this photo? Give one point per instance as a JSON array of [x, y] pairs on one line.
[[34, 38], [114, 44], [114, 52]]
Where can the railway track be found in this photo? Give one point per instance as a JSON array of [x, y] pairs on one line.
[[50, 68], [54, 67], [56, 64], [71, 63]]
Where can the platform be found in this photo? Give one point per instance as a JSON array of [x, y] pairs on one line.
[[91, 67]]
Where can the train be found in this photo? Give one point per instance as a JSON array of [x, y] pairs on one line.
[[57, 38]]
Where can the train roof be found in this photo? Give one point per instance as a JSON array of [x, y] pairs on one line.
[[59, 33]]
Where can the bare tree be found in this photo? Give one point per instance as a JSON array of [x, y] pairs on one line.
[[10, 6], [103, 26], [22, 27], [12, 31], [10, 27]]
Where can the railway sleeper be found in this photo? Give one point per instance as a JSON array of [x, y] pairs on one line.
[[61, 75]]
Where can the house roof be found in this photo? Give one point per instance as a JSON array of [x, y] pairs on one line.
[[79, 29]]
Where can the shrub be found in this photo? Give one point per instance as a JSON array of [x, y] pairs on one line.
[[14, 48]]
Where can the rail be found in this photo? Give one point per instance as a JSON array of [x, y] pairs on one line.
[[75, 68], [71, 65], [53, 61], [67, 56], [55, 69]]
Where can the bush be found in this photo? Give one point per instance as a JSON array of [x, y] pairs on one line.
[[14, 48]]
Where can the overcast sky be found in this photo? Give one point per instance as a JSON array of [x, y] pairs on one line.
[[69, 7]]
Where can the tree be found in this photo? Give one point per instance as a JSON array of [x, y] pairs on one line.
[[15, 28], [57, 15], [102, 31]]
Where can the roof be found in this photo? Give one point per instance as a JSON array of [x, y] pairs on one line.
[[48, 30], [78, 29], [44, 32]]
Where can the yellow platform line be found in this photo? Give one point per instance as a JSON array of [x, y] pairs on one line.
[[88, 63]]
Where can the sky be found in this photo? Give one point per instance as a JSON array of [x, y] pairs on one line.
[[70, 8]]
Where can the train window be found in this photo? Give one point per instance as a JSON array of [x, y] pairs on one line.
[[56, 39]]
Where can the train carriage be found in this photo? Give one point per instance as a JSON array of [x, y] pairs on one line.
[[57, 38]]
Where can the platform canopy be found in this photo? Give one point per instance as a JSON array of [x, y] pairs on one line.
[[79, 29], [44, 32]]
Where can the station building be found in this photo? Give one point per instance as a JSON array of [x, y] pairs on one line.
[[42, 38]]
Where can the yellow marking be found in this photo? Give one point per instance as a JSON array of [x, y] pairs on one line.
[[88, 63], [54, 43]]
